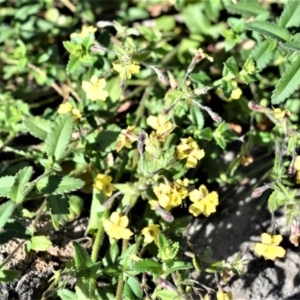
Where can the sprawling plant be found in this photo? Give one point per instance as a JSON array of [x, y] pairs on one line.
[[137, 115]]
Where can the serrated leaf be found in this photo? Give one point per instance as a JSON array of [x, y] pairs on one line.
[[247, 9], [288, 83], [38, 127], [6, 211], [271, 30], [81, 257], [6, 183], [40, 243], [263, 53], [56, 184], [230, 69], [205, 134], [60, 134], [22, 177], [294, 45], [290, 15], [8, 275], [148, 265], [73, 65]]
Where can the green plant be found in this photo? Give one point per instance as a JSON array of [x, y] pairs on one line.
[[133, 124]]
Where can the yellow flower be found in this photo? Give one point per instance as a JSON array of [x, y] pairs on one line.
[[126, 138], [269, 248], [189, 149], [103, 183], [153, 204], [297, 168], [150, 233], [160, 124], [167, 197], [126, 70], [94, 88], [204, 202], [181, 187], [115, 227], [222, 295], [236, 93], [65, 108], [85, 31], [280, 114], [76, 113]]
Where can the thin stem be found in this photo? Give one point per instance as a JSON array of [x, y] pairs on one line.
[[121, 280], [99, 237]]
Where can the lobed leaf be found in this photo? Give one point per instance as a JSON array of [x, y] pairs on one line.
[[60, 134], [56, 184], [288, 83], [38, 127], [271, 30], [290, 15]]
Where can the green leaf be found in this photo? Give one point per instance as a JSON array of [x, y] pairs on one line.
[[271, 30], [82, 258], [97, 208], [288, 83], [38, 127], [66, 295], [167, 295], [246, 8], [60, 134], [59, 208], [290, 15], [111, 255], [56, 184], [178, 265], [40, 243], [8, 275], [73, 65], [294, 45], [148, 265], [205, 134], [263, 53], [21, 178], [197, 117], [276, 200], [216, 267], [76, 207], [6, 211], [6, 184], [230, 69], [132, 289]]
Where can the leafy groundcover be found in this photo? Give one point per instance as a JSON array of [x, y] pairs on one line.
[[122, 122]]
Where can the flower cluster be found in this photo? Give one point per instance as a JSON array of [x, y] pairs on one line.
[[103, 183], [126, 138], [67, 107], [115, 227], [203, 202], [162, 130], [170, 195], [269, 248], [94, 88], [189, 150]]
